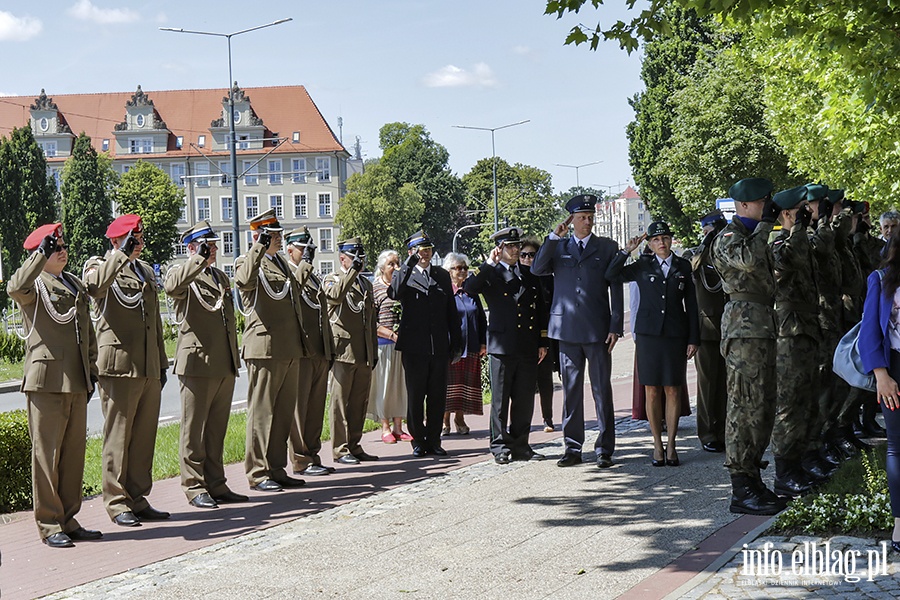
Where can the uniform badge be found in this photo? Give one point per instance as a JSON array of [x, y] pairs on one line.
[[728, 234]]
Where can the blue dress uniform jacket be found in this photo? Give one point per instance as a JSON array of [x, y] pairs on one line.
[[586, 307]]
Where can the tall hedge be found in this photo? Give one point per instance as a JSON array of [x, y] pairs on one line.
[[15, 462]]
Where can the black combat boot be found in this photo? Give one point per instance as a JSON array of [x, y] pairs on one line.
[[838, 444], [870, 426], [817, 469], [790, 479], [747, 499], [857, 443]]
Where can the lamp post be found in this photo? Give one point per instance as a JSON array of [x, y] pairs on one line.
[[577, 167], [232, 137], [494, 160]]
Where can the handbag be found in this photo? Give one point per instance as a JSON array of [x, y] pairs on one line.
[[847, 362]]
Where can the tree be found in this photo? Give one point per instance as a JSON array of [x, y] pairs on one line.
[[379, 210], [524, 197], [411, 156], [87, 192], [147, 191]]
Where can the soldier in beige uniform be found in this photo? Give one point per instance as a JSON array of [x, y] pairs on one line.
[[132, 364], [274, 343], [351, 309], [306, 430], [59, 377], [207, 363]]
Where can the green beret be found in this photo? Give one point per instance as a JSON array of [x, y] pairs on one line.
[[835, 195], [750, 189], [816, 191], [788, 199]]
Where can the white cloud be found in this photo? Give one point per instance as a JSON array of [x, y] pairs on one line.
[[452, 76], [85, 11], [162, 18], [18, 29]]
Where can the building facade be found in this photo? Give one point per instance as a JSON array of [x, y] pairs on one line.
[[621, 218], [288, 157]]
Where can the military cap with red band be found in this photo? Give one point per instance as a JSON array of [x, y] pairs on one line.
[[122, 225], [35, 238]]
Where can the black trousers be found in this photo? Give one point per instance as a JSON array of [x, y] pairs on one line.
[[512, 403], [426, 387]]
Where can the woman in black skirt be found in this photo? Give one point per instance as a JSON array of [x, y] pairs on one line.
[[666, 329]]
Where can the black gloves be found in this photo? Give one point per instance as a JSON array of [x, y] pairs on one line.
[[357, 263], [163, 378], [863, 227], [129, 244], [804, 216], [412, 260], [204, 250], [48, 246], [92, 387], [825, 209], [770, 211], [265, 239], [309, 253]]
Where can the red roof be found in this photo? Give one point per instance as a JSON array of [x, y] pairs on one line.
[[187, 113], [630, 194]]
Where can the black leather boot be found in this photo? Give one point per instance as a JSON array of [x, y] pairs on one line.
[[746, 498], [790, 479], [857, 443], [817, 469]]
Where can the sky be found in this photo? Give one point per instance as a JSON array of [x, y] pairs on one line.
[[485, 63]]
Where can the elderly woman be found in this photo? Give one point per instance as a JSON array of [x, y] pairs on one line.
[[666, 329], [387, 398], [464, 395]]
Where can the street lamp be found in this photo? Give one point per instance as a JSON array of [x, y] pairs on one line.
[[494, 159], [576, 167], [232, 138]]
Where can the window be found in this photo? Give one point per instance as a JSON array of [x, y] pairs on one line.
[[250, 173], [49, 148], [325, 239], [640, 216], [203, 210], [225, 169], [141, 145], [243, 142], [227, 242], [275, 172], [229, 270], [323, 169], [201, 141], [249, 240], [237, 117], [180, 249], [226, 207], [105, 146], [140, 120], [252, 204], [325, 205], [183, 217], [276, 203], [298, 168], [177, 170], [56, 173], [201, 168], [295, 137], [126, 168], [326, 267], [300, 211], [179, 142], [640, 206], [44, 124]]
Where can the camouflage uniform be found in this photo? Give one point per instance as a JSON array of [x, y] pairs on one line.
[[745, 262]]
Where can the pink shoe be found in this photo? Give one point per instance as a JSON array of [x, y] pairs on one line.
[[388, 438], [403, 437]]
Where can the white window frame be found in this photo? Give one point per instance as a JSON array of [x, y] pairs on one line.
[[323, 169], [48, 147], [227, 243], [326, 267], [105, 146], [243, 142], [177, 178], [247, 210], [326, 242], [201, 168], [276, 201], [326, 204], [251, 172], [204, 208], [229, 269], [298, 170], [180, 250], [274, 168], [183, 217], [140, 145], [225, 208], [301, 206], [225, 176], [248, 238]]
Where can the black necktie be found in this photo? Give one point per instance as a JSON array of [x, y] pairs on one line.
[[136, 272]]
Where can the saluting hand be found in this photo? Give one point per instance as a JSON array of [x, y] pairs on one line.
[[634, 242], [563, 228], [495, 255]]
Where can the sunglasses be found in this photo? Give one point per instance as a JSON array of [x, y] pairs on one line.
[[460, 268], [527, 254]]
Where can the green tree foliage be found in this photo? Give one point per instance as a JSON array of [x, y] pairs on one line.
[[380, 211], [146, 190], [411, 156], [87, 193], [524, 196]]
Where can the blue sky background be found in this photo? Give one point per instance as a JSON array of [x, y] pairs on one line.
[[440, 63]]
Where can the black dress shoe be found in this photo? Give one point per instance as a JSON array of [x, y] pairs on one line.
[[229, 497], [203, 500], [419, 452], [604, 461], [569, 459], [658, 462], [267, 485], [151, 514], [85, 535], [438, 451], [672, 462], [348, 459], [127, 519], [365, 457], [537, 456], [290, 482], [895, 546], [714, 447], [59, 540], [502, 459], [315, 471]]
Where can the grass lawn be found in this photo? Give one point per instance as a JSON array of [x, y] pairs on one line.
[[10, 371]]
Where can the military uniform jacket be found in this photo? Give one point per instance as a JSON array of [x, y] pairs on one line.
[[59, 356], [745, 262], [586, 306], [314, 312], [852, 280], [796, 300], [129, 328], [518, 323], [351, 310], [204, 307], [868, 251], [668, 305], [708, 287], [828, 276], [429, 324], [271, 293]]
